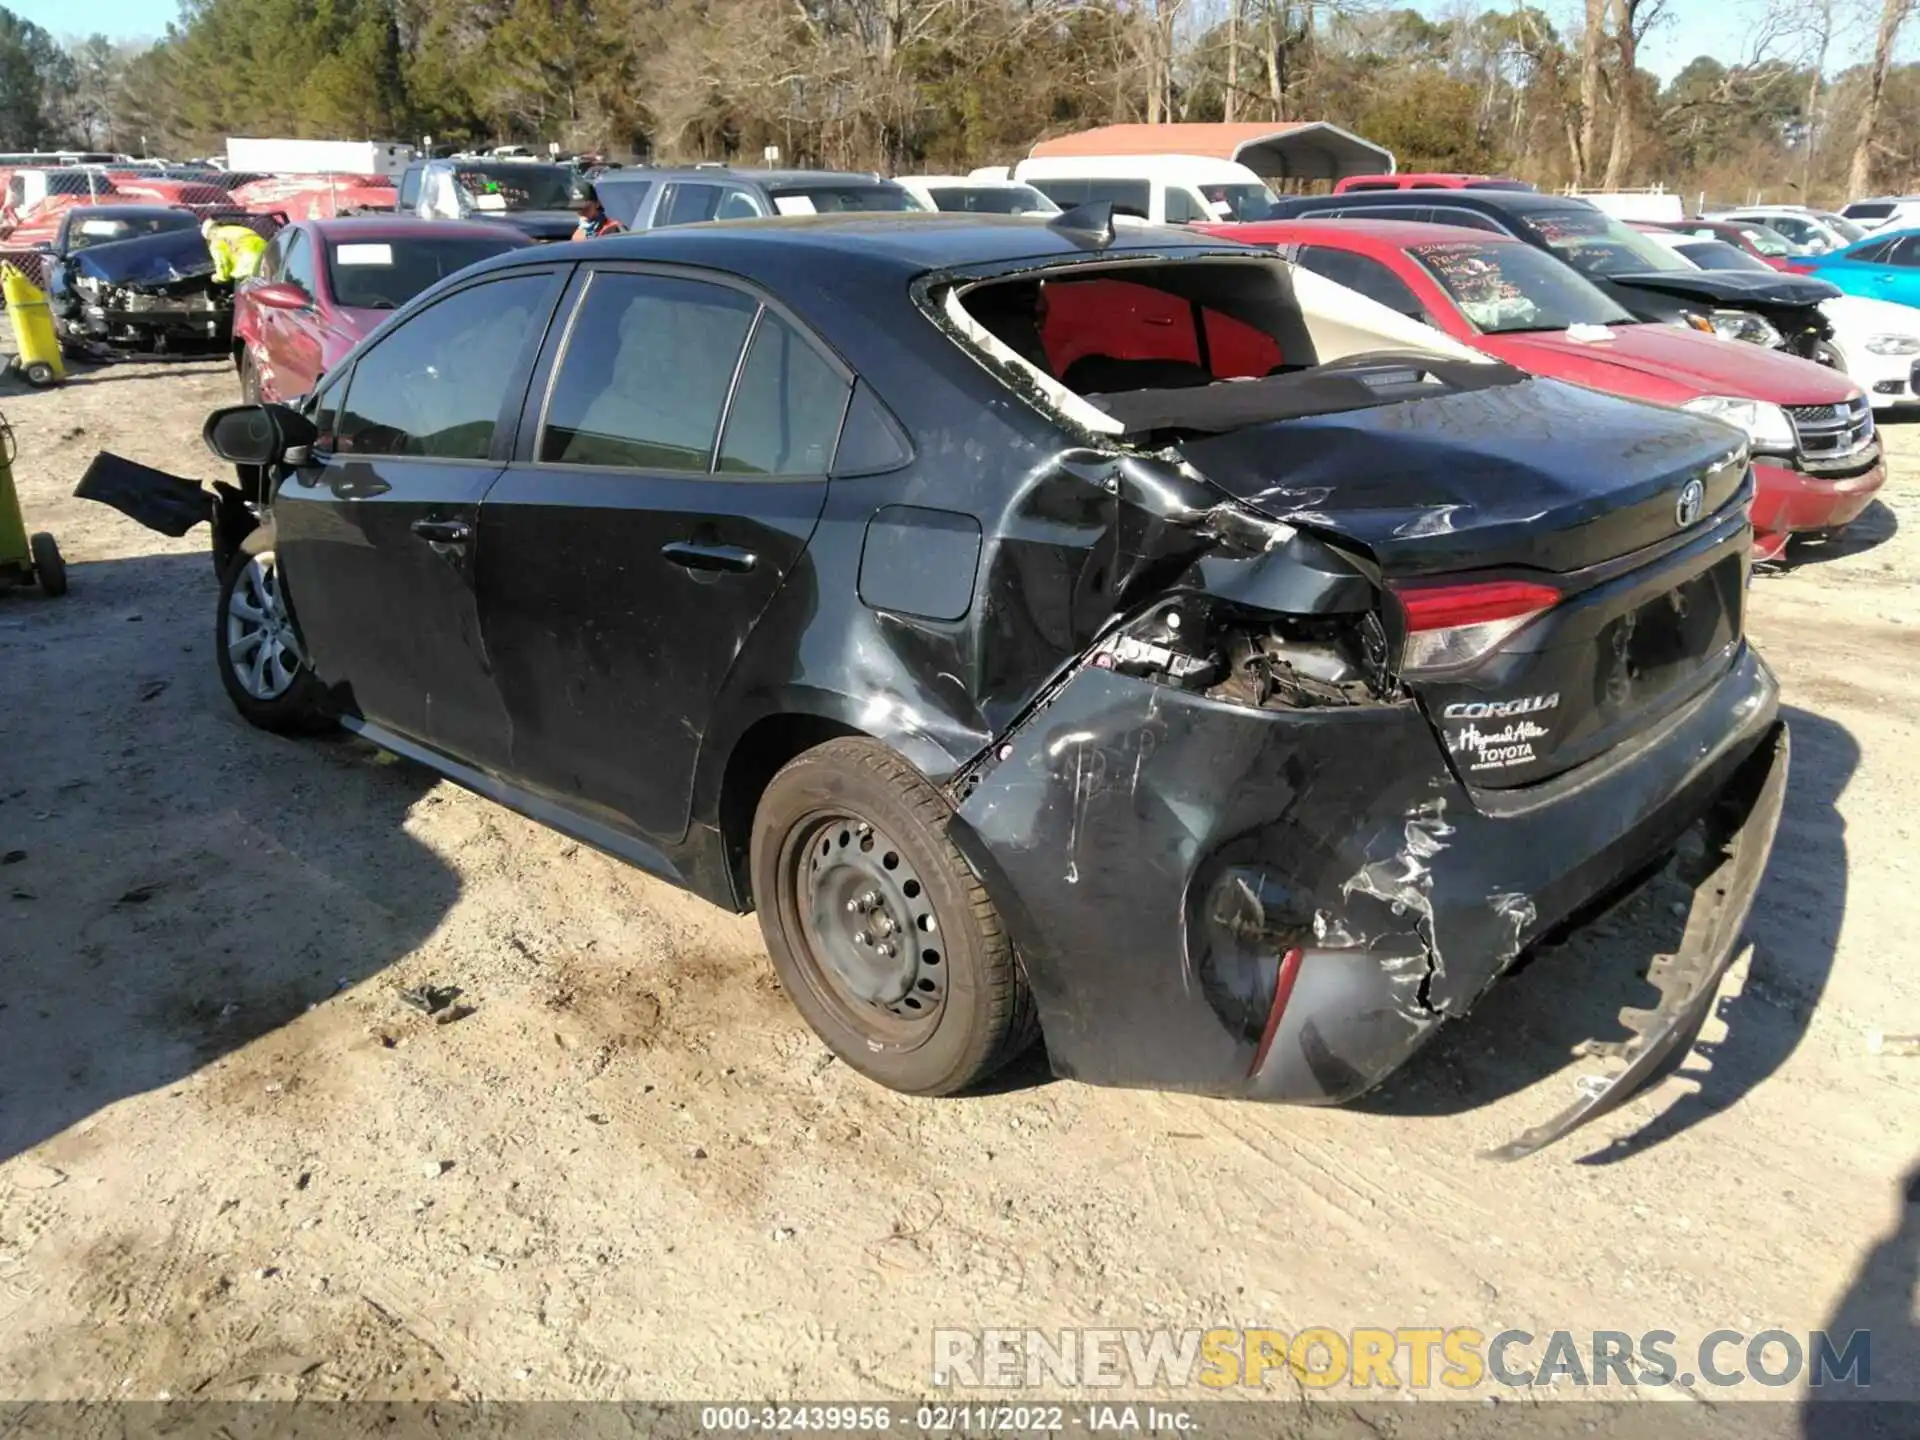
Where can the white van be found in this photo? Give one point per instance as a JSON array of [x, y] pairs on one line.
[[1166, 189]]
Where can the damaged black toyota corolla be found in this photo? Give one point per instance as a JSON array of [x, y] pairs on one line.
[[1045, 629]]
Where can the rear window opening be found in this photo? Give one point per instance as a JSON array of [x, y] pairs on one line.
[[1207, 345]]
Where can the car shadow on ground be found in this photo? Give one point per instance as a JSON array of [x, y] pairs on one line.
[[177, 884], [1880, 1302], [1877, 525], [1569, 996]]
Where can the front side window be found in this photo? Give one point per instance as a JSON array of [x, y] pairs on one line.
[[297, 265], [685, 204], [1505, 288], [435, 385], [737, 205], [1242, 202], [787, 407], [644, 378], [410, 188]]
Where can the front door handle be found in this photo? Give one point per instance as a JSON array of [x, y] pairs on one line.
[[443, 532], [710, 557]]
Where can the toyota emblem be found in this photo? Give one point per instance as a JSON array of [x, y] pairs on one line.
[[1693, 499]]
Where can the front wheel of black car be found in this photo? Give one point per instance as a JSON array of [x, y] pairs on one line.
[[262, 661], [887, 942]]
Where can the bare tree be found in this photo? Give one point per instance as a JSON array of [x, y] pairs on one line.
[[1592, 43], [1893, 14]]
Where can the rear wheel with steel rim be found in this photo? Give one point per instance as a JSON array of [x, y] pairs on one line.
[[887, 943], [263, 663]]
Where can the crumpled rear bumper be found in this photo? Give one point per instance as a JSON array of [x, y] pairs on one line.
[[1167, 863]]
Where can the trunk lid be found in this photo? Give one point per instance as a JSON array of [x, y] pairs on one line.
[[1632, 518]]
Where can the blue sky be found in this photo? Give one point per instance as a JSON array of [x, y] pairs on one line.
[[1722, 28]]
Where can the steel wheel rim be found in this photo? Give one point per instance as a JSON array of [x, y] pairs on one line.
[[854, 890], [262, 649]]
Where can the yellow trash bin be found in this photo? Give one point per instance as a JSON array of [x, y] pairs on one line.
[[34, 342]]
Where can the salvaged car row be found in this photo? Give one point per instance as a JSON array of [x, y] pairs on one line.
[[1049, 625], [1221, 648]]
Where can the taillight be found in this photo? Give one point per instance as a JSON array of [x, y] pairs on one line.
[[1453, 625]]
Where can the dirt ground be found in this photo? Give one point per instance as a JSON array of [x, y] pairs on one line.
[[234, 1164]]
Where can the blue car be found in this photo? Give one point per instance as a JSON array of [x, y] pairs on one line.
[[1880, 267]]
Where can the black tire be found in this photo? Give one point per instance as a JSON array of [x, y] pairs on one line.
[[249, 378], [40, 374], [296, 707], [48, 568], [981, 1013]]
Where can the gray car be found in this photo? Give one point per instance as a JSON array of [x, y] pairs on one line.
[[648, 198]]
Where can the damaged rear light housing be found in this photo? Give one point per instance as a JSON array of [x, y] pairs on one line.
[[1452, 625]]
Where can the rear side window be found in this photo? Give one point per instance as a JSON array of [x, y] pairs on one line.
[[1181, 209], [1107, 335], [1867, 211], [648, 363], [1370, 185], [1872, 254], [435, 385], [1364, 275], [688, 204], [787, 408], [737, 205]]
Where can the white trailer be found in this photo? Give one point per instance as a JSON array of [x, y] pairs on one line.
[[318, 157]]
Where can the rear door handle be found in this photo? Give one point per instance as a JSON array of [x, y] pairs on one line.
[[710, 557], [443, 532]]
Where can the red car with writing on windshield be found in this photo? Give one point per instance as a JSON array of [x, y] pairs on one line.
[[1816, 456], [325, 285]]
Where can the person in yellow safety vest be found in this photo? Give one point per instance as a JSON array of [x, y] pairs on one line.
[[236, 250]]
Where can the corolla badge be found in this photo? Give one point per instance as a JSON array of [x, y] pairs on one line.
[[1693, 499]]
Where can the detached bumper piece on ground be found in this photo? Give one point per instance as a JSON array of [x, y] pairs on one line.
[[1099, 633]]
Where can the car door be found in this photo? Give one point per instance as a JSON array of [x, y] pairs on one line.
[[377, 536], [661, 499], [296, 344]]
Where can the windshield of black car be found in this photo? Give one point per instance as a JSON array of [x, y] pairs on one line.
[[1243, 202], [86, 232], [385, 274], [1595, 243], [1504, 288], [519, 186], [1718, 255], [991, 199], [829, 199]]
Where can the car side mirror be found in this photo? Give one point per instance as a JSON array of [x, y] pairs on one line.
[[279, 295], [258, 434]]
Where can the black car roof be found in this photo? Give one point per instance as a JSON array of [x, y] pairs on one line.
[[904, 243]]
